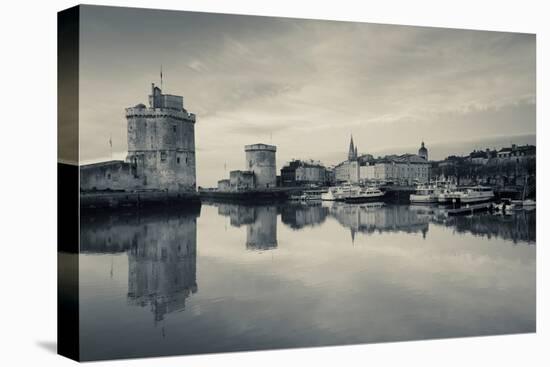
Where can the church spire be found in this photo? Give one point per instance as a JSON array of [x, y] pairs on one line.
[[352, 151]]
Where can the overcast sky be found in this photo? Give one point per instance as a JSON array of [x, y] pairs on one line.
[[304, 85]]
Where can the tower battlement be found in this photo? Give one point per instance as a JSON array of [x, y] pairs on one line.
[[159, 112], [260, 146]]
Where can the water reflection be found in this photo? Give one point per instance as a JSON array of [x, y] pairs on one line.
[[162, 254], [377, 217], [517, 227], [417, 274], [300, 215], [369, 218], [260, 222]]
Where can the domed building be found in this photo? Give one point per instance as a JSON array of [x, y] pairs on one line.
[[423, 152]]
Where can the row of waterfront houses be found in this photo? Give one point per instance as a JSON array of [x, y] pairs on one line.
[[404, 169]]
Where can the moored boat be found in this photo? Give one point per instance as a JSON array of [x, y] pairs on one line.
[[467, 195], [364, 195], [309, 195], [429, 193], [352, 193], [340, 193]]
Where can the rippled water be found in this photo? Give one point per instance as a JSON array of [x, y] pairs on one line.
[[234, 277]]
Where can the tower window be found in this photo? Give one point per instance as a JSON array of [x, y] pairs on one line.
[[178, 160], [163, 156], [174, 128]]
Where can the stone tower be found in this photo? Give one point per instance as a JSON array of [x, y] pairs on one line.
[[423, 152], [161, 143], [260, 159]]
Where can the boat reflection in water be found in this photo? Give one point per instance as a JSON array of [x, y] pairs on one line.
[[519, 227], [286, 275]]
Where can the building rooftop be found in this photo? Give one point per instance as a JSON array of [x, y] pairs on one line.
[[295, 163], [260, 146], [404, 158]]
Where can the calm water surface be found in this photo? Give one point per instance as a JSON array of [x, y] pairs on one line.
[[234, 277]]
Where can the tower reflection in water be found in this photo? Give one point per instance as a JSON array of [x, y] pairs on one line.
[[299, 215], [161, 249], [260, 223]]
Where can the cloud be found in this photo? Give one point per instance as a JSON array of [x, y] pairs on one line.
[[306, 83]]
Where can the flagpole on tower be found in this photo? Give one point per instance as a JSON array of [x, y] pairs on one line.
[[161, 76]]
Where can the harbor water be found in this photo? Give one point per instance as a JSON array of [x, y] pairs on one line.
[[232, 277]]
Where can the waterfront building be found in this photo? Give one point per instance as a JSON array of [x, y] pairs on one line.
[[224, 185], [241, 180], [405, 169], [481, 156], [299, 173], [517, 153], [161, 150]]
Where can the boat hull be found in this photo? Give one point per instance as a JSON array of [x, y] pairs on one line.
[[363, 199], [423, 199]]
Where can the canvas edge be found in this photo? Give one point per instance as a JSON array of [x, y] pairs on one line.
[[68, 330]]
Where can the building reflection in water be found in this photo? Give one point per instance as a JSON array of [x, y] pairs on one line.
[[161, 249], [520, 226], [377, 217], [299, 215], [260, 223]]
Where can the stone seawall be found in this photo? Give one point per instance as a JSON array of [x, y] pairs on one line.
[[123, 199], [245, 196]]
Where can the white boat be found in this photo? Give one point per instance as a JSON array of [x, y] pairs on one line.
[[468, 195], [430, 193], [308, 195], [339, 193], [364, 195], [424, 194], [351, 193]]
